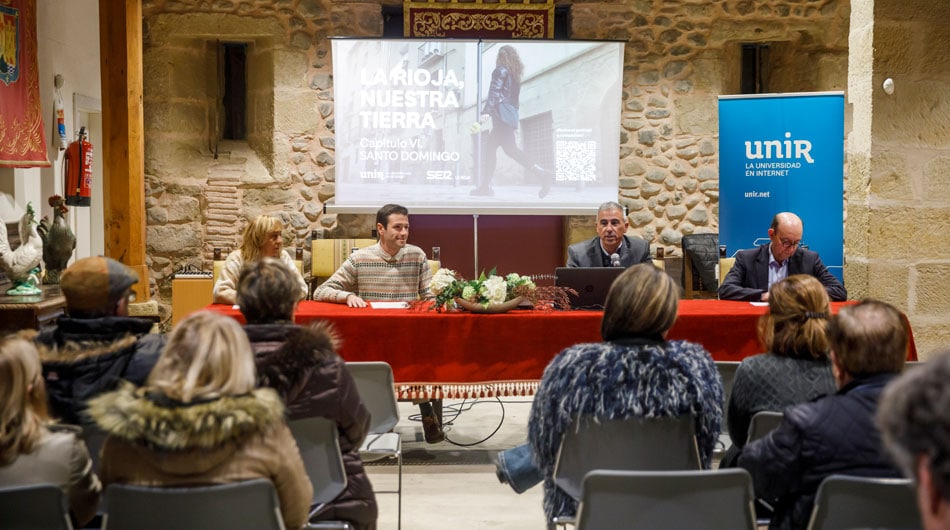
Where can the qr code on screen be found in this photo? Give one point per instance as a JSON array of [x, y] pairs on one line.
[[576, 160]]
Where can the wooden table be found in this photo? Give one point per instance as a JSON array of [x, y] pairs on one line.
[[30, 312]]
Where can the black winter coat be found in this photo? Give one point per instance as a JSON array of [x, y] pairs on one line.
[[302, 365], [831, 435], [85, 357]]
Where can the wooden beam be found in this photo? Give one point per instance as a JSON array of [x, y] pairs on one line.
[[123, 149]]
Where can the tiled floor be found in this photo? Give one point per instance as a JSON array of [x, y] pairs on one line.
[[456, 487]]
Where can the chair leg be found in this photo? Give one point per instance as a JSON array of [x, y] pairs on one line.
[[399, 493]]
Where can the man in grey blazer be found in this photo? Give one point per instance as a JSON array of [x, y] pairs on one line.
[[755, 270], [611, 248]]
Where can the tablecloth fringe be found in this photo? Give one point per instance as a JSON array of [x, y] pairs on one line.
[[487, 389]]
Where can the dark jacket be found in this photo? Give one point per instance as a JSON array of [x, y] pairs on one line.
[[156, 441], [301, 364], [832, 435], [83, 358], [590, 254], [503, 95], [749, 277]]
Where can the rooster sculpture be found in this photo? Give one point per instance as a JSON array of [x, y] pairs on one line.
[[22, 265], [58, 240]]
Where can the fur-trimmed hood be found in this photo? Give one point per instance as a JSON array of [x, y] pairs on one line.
[[76, 339], [286, 354], [162, 424]]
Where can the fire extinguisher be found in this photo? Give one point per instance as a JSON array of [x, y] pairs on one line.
[[77, 171]]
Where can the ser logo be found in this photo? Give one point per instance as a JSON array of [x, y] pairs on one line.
[[439, 174]]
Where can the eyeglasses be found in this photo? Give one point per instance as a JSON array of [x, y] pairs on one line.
[[789, 244]]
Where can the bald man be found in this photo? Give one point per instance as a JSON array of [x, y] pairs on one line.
[[757, 269]]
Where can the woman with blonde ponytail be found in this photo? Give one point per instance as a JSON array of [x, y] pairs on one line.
[[796, 367]]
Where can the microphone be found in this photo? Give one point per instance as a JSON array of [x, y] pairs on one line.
[[615, 260]]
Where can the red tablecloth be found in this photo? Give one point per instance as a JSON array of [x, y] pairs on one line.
[[462, 354]]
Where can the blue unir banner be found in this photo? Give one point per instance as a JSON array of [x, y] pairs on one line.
[[783, 152]]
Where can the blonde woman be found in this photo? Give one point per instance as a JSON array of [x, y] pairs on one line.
[[262, 239], [796, 367], [32, 450], [199, 420]]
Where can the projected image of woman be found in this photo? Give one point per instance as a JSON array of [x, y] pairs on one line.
[[502, 106]]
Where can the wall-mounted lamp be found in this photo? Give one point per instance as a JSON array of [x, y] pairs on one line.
[[888, 86]]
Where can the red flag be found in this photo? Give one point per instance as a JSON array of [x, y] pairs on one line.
[[22, 140]]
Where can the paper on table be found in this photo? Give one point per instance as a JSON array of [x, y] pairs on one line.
[[760, 304], [389, 305]]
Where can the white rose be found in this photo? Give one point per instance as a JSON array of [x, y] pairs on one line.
[[442, 279], [496, 290]]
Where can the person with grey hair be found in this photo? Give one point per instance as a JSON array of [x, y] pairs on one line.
[[612, 247], [834, 434], [916, 429]]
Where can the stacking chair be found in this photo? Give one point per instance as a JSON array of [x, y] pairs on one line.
[[666, 500], [319, 444], [248, 505], [650, 444], [39, 507], [762, 423], [374, 381], [727, 372], [861, 502]]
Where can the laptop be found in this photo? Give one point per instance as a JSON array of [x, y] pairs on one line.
[[591, 284]]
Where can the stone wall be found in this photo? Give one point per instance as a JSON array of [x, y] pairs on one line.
[[899, 152], [679, 56]]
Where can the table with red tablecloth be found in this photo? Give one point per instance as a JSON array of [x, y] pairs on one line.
[[461, 354]]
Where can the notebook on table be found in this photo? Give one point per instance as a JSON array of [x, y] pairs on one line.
[[591, 284]]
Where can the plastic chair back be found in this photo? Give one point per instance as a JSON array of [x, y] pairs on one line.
[[762, 423], [319, 444], [647, 444], [248, 505], [374, 382], [861, 502], [667, 500], [38, 507]]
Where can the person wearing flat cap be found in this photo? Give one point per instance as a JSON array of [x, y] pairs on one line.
[[96, 344]]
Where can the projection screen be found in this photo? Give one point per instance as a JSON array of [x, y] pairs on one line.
[[465, 126]]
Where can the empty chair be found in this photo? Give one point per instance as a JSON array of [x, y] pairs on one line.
[[727, 371], [660, 500], [628, 444], [763, 422], [861, 502], [374, 381], [248, 505], [40, 507], [319, 446]]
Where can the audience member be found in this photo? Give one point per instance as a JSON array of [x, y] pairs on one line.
[[198, 420], [834, 434], [390, 270], [32, 450], [611, 247], [302, 365], [97, 344], [916, 428], [635, 372], [263, 238], [755, 270], [796, 368]]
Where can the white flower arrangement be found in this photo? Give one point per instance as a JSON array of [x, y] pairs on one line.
[[486, 290]]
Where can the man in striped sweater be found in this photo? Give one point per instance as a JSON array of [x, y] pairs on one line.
[[390, 270]]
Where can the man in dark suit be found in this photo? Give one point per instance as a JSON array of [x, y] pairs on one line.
[[757, 269], [611, 248]]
